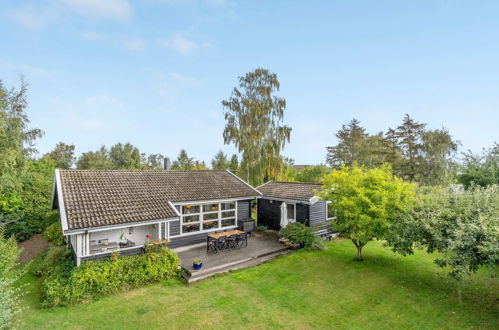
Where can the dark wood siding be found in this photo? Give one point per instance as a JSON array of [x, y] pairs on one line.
[[243, 209], [180, 241], [269, 214], [175, 228], [318, 213]]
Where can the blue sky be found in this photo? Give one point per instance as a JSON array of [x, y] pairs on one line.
[[153, 72]]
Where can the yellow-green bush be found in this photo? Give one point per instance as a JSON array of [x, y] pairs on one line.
[[94, 279]]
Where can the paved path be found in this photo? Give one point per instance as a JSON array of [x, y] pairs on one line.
[[32, 247]]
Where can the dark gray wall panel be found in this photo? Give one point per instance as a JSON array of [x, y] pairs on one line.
[[175, 228], [318, 213], [243, 209], [129, 252]]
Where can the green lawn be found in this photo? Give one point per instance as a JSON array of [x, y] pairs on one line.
[[299, 291]]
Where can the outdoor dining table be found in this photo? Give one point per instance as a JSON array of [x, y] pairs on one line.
[[221, 234]]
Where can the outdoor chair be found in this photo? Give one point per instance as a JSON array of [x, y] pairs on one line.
[[232, 241], [242, 240], [212, 244], [222, 243]]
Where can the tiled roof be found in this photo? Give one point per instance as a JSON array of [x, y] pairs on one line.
[[289, 190], [103, 198]]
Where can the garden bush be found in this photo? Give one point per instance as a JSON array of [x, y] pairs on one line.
[[299, 233], [53, 233], [94, 279]]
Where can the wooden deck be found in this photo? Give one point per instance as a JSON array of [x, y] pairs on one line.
[[260, 249]]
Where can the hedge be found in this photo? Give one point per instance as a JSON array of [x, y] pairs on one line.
[[94, 279]]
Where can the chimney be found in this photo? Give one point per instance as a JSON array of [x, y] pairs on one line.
[[166, 163]]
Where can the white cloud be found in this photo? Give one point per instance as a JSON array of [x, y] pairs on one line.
[[180, 44], [32, 17], [119, 10], [135, 44], [179, 78], [93, 35]]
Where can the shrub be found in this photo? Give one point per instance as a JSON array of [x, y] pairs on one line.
[[299, 233], [261, 228], [53, 233], [10, 304], [94, 279]]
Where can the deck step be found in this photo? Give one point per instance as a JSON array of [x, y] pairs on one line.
[[191, 276]]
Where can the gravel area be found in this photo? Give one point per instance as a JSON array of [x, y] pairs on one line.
[[32, 247]]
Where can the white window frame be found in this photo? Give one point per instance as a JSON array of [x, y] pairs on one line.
[[202, 212], [327, 211]]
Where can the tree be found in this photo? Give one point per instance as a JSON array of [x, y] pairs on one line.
[[126, 156], [16, 138], [200, 166], [462, 227], [10, 304], [438, 151], [183, 161], [254, 115], [220, 161], [95, 160], [409, 136], [481, 170], [314, 174], [347, 150], [234, 164], [366, 202], [155, 161], [63, 155]]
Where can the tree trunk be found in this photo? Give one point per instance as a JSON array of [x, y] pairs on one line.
[[359, 246], [359, 252]]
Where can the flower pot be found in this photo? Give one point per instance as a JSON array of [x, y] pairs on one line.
[[197, 266]]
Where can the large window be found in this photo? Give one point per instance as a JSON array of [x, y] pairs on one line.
[[209, 216], [291, 212], [329, 211]]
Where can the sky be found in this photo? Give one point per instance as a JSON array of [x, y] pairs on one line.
[[154, 72]]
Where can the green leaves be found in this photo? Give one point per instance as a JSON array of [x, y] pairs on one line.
[[254, 116], [462, 227], [366, 201]]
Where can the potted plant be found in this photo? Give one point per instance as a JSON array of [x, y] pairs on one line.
[[197, 264]]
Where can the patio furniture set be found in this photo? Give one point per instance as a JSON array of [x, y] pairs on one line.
[[226, 240]]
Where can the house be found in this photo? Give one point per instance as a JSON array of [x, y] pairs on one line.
[[302, 203], [111, 210]]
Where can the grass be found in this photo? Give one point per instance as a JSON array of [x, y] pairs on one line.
[[303, 290]]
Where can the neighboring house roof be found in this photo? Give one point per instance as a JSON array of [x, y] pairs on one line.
[[289, 190], [299, 167], [95, 198]]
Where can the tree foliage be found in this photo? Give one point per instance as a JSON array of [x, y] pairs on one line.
[[482, 169], [95, 160], [462, 227], [254, 116], [234, 164], [366, 202], [186, 163], [414, 152], [62, 155], [220, 161], [313, 174]]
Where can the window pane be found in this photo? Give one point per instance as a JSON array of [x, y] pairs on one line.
[[291, 211], [190, 228], [210, 216], [228, 222], [228, 206], [190, 218], [189, 209], [210, 225], [330, 213], [227, 214], [210, 207]]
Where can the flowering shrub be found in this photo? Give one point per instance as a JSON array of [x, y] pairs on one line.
[[94, 279]]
